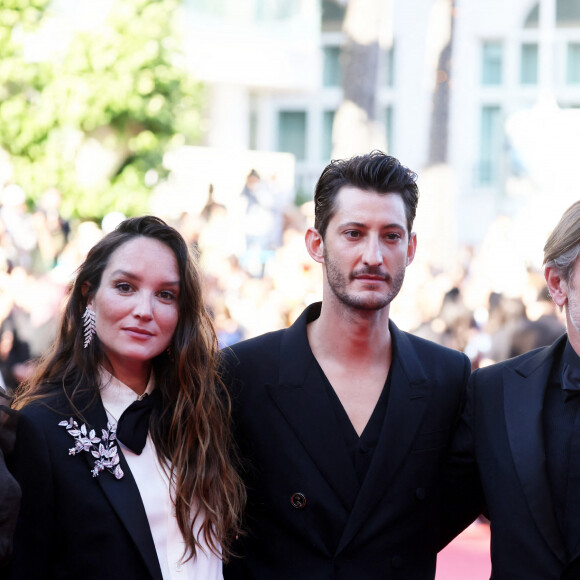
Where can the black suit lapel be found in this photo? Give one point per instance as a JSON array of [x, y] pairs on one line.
[[123, 495], [301, 397], [524, 389], [408, 400]]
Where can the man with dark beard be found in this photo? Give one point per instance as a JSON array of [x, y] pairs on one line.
[[343, 420]]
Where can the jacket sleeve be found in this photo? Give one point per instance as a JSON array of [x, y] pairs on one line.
[[463, 499], [9, 489], [35, 529]]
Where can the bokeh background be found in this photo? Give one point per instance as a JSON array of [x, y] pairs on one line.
[[219, 116]]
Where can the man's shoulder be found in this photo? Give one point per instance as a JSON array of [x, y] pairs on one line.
[[271, 341], [431, 348], [254, 345], [252, 354], [524, 364], [55, 404]]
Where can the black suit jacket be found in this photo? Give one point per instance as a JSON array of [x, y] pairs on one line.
[[306, 516], [499, 456], [9, 489], [73, 525]]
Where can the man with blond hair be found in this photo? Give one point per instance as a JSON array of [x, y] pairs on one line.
[[516, 453]]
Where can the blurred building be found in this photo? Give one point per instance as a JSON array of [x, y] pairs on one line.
[[515, 115], [511, 134], [480, 97]]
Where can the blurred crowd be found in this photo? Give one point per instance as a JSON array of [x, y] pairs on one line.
[[258, 277]]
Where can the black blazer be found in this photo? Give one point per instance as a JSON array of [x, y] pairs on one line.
[[9, 489], [306, 517], [499, 456], [73, 525]]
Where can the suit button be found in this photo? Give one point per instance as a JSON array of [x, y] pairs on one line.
[[421, 493], [298, 500], [397, 562]]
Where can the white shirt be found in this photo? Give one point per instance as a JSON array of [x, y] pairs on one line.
[[153, 484]]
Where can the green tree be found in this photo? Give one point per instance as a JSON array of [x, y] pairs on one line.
[[96, 120], [22, 131]]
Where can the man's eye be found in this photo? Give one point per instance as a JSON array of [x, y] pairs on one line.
[[393, 236], [352, 234]]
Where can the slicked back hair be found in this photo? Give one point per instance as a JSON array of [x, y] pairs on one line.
[[374, 171]]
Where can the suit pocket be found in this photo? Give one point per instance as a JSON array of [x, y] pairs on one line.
[[431, 440]]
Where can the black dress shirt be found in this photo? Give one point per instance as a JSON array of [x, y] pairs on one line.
[[361, 449], [561, 419]]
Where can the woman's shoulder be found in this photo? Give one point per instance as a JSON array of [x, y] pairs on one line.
[[57, 399], [49, 405], [51, 411]]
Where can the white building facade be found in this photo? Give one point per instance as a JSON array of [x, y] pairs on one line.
[[273, 71]]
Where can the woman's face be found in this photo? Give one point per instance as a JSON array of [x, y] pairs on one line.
[[136, 307]]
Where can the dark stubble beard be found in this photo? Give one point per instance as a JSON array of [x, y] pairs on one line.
[[338, 284]]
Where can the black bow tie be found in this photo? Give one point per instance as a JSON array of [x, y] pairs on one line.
[[570, 380], [133, 424]]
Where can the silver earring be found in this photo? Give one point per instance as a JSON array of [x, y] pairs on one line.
[[89, 326]]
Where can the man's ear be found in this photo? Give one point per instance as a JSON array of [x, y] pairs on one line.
[[557, 286], [412, 247], [315, 245]]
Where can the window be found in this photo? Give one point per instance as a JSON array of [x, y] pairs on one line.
[[257, 10], [331, 74], [491, 71], [567, 14], [327, 122], [253, 123], [391, 66], [533, 17], [573, 63], [491, 140], [389, 128], [272, 10], [387, 67], [332, 15], [292, 133], [529, 64]]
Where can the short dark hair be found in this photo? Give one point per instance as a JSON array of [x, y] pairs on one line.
[[374, 171]]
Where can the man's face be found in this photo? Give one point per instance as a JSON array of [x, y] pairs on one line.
[[367, 248], [573, 300], [566, 294]]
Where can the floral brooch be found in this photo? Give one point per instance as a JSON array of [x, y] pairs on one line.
[[103, 449]]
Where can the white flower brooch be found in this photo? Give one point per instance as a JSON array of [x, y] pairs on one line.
[[103, 449]]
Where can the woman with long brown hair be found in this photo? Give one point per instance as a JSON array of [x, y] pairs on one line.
[[123, 449]]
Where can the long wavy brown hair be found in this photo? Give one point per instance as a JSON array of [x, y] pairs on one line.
[[191, 428]]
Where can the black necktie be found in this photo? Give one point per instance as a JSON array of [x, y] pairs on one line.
[[133, 424], [570, 380], [571, 385]]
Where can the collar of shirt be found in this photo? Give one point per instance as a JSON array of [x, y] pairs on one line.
[[570, 356], [117, 396]]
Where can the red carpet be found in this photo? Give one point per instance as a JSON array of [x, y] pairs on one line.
[[467, 557]]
